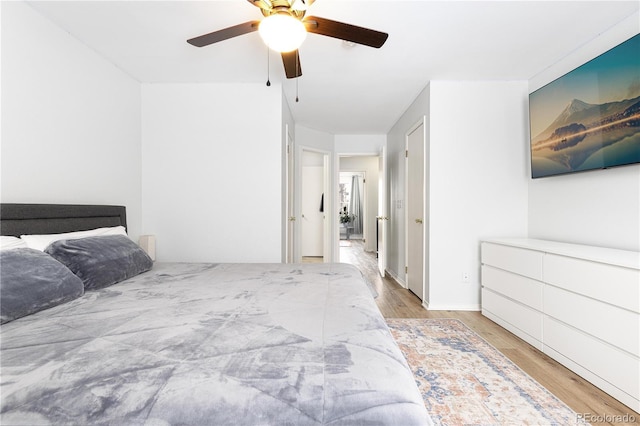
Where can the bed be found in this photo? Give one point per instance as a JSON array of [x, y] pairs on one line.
[[200, 344]]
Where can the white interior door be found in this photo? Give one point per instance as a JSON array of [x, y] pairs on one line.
[[311, 218], [327, 209], [382, 218], [290, 207], [415, 210], [305, 156]]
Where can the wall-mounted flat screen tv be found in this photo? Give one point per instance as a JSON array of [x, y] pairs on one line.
[[590, 117]]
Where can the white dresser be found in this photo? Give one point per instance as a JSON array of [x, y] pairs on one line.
[[578, 304]]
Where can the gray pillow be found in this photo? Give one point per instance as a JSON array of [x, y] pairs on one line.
[[101, 261], [31, 281]]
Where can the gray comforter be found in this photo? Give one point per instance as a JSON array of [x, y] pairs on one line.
[[203, 344]]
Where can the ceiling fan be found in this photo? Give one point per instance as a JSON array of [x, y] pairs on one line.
[[286, 18]]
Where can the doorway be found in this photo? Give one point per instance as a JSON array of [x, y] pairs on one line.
[[357, 202], [351, 205], [314, 199]]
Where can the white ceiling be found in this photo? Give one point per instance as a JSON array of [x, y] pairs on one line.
[[343, 90]]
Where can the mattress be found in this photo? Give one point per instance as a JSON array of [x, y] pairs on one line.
[[211, 344]]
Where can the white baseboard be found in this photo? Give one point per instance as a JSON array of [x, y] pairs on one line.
[[432, 307], [396, 278], [427, 306]]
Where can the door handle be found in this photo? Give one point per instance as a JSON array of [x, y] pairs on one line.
[[419, 221]]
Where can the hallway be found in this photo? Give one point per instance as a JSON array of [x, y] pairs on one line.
[[393, 300]]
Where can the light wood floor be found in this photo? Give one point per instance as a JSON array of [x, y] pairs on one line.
[[396, 302]]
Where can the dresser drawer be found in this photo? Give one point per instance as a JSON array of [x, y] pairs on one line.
[[519, 261], [524, 322], [609, 323], [616, 367], [616, 285], [517, 287]]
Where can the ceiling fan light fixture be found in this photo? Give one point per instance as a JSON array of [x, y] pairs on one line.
[[282, 32]]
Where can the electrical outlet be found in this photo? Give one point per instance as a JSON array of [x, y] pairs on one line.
[[465, 277]]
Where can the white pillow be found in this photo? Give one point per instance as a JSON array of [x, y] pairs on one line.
[[8, 243], [41, 242]]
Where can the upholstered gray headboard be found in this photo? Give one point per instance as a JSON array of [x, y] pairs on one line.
[[20, 219]]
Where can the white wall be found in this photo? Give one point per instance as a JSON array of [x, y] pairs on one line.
[[600, 207], [212, 171], [476, 181], [70, 120], [312, 138], [360, 144]]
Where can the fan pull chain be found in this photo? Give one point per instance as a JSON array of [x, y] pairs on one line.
[[297, 74], [268, 63]]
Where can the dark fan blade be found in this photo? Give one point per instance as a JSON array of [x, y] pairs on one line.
[[216, 36], [291, 61], [348, 32]]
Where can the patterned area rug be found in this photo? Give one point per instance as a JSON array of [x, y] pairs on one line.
[[466, 381]]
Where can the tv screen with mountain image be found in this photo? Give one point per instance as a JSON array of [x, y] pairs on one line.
[[590, 117]]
